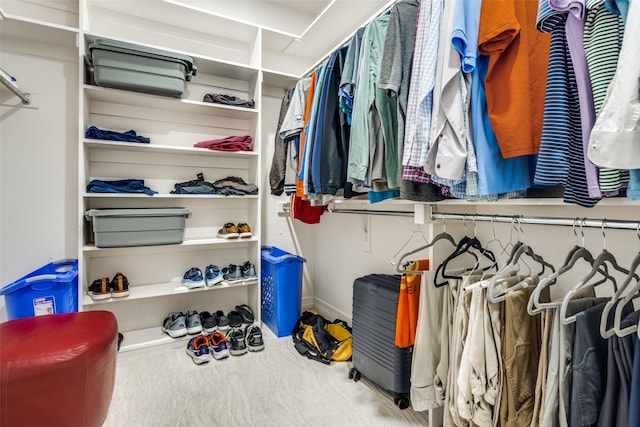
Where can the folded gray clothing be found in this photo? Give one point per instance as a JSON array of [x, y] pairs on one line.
[[236, 183], [221, 98]]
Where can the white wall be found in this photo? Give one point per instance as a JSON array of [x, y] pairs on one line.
[[38, 160]]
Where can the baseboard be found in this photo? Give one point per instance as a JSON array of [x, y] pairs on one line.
[[330, 312]]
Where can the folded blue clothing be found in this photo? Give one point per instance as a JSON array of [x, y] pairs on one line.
[[129, 136], [119, 186]]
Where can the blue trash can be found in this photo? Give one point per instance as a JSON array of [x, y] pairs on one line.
[[50, 289], [281, 283]]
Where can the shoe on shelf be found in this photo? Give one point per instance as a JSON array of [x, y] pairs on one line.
[[198, 349], [194, 324], [235, 338], [232, 273], [253, 338], [119, 286], [229, 231], [100, 289], [246, 313], [208, 322], [175, 325], [193, 278], [235, 319], [248, 271], [213, 275], [244, 230], [218, 345], [222, 321]]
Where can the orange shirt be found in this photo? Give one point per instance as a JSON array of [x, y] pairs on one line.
[[409, 304], [303, 136], [517, 76]]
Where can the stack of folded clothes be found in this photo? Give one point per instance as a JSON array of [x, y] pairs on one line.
[[94, 132], [221, 98], [119, 186]]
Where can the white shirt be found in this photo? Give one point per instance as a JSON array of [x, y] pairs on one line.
[[615, 137]]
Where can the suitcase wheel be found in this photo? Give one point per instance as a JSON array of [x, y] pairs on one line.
[[354, 374], [402, 402]]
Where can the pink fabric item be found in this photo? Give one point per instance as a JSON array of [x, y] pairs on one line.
[[231, 143]]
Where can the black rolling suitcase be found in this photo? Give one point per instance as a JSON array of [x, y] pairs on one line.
[[375, 355]]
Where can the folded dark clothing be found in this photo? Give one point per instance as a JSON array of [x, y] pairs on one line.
[[220, 98], [223, 186], [231, 143], [196, 186], [119, 186], [129, 136]]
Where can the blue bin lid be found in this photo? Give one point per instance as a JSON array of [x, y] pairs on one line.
[[57, 271], [276, 255]]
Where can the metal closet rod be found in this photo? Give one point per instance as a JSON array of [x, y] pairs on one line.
[[542, 220], [371, 212], [23, 96]]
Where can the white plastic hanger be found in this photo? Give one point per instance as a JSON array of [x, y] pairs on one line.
[[512, 265], [400, 263], [621, 303], [579, 251], [604, 257]]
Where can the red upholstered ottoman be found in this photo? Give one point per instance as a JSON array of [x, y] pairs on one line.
[[57, 370]]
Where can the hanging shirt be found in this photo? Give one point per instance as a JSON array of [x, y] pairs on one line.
[[447, 155], [303, 138], [603, 37], [516, 75], [395, 66], [575, 30], [372, 45], [552, 166], [495, 174], [615, 137], [349, 76], [423, 76]]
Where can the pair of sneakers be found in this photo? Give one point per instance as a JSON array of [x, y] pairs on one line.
[[201, 347], [239, 273], [194, 278], [178, 324], [215, 321], [243, 340], [233, 231], [103, 288]]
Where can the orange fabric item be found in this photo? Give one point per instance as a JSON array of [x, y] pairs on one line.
[[517, 76], [409, 304], [303, 136]]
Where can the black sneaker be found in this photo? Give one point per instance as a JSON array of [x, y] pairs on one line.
[[246, 313], [248, 271], [254, 338], [222, 321], [235, 338], [235, 319], [209, 323]]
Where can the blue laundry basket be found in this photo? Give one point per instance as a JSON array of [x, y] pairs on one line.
[[50, 289], [281, 289]]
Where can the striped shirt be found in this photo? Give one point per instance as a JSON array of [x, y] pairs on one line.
[[603, 35], [552, 167]]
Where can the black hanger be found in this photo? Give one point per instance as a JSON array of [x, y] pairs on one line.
[[464, 246]]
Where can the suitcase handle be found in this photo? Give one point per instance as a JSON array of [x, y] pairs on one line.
[[372, 289]]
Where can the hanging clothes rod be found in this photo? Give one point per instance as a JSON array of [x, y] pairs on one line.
[[542, 220], [23, 96], [371, 212]]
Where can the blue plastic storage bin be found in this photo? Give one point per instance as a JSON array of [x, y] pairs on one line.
[[48, 290], [281, 289]]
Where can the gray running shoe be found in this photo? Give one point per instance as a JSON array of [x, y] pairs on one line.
[[254, 338], [232, 273], [222, 321], [235, 338], [248, 271], [194, 324], [175, 325]]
